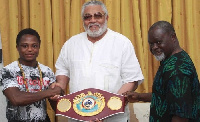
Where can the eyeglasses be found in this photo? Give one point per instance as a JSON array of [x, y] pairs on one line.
[[97, 16]]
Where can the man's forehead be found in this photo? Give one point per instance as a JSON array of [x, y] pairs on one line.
[[157, 30], [156, 33]]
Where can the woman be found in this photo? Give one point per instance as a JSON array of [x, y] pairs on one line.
[[26, 82]]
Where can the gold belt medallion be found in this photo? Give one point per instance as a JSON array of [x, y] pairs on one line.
[[88, 104], [64, 105]]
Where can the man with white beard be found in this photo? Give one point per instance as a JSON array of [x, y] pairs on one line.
[[175, 93], [99, 58]]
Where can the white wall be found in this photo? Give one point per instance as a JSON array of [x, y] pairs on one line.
[[2, 97]]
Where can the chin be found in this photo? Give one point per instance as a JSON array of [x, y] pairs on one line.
[[30, 59], [160, 57]]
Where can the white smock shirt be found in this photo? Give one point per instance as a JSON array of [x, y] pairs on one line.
[[106, 64]]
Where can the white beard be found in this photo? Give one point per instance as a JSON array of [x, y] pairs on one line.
[[98, 32], [160, 57]]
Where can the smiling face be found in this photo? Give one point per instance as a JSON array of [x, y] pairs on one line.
[[161, 43], [96, 25], [28, 49]]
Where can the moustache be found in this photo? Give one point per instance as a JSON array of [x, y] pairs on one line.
[[94, 24]]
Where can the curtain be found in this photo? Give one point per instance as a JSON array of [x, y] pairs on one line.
[[58, 20]]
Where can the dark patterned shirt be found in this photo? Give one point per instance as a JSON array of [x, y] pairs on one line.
[[12, 77], [176, 90]]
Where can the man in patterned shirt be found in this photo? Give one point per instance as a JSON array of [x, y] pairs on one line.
[[176, 90], [26, 82]]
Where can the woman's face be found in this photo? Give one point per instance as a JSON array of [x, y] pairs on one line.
[[28, 48]]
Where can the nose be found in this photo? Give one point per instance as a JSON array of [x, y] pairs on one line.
[[93, 19], [154, 46], [30, 48]]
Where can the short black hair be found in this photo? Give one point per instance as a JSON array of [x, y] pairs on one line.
[[27, 31]]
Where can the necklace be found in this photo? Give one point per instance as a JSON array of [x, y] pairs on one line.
[[24, 79]]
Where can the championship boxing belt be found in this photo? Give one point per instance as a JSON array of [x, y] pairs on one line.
[[89, 104]]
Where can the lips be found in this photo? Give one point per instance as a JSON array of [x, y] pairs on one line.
[[29, 55], [157, 52], [94, 26]]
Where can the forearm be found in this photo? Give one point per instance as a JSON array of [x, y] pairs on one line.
[[62, 81], [21, 98], [131, 86], [29, 98], [179, 119], [145, 97]]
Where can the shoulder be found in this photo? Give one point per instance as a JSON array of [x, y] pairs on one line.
[[117, 35], [76, 38], [10, 70], [11, 66], [118, 39], [73, 42], [180, 64], [183, 59], [80, 35], [45, 68]]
